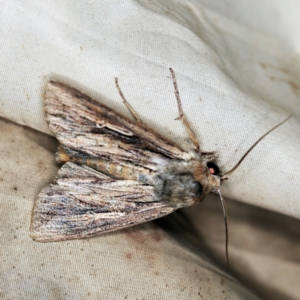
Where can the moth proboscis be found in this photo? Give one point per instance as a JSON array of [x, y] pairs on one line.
[[117, 172]]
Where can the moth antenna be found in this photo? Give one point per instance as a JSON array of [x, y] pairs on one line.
[[225, 176], [226, 225]]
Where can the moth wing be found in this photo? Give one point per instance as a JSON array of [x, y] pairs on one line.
[[83, 202], [87, 126]]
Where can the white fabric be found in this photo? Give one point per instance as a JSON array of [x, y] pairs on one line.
[[237, 67]]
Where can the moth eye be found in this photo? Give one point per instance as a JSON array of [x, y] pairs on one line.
[[213, 169]]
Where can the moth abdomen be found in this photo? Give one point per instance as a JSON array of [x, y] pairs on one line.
[[61, 156], [65, 154], [116, 170]]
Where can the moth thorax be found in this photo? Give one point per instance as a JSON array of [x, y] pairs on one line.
[[181, 189]]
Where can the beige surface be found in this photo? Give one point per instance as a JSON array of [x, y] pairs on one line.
[[237, 72]]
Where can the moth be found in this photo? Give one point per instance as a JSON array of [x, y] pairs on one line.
[[117, 172]]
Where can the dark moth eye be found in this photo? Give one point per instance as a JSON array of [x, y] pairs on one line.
[[213, 169]]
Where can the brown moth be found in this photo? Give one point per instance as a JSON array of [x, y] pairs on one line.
[[117, 172]]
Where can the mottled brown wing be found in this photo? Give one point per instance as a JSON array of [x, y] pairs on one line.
[[87, 126], [83, 203]]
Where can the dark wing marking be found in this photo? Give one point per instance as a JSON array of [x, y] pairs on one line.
[[85, 125], [83, 202]]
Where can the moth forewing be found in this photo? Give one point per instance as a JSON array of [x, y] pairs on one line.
[[68, 111], [82, 203]]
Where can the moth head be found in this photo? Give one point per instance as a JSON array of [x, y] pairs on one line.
[[215, 175], [208, 175]]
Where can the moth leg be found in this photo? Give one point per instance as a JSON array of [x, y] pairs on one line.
[[182, 116], [130, 108]]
